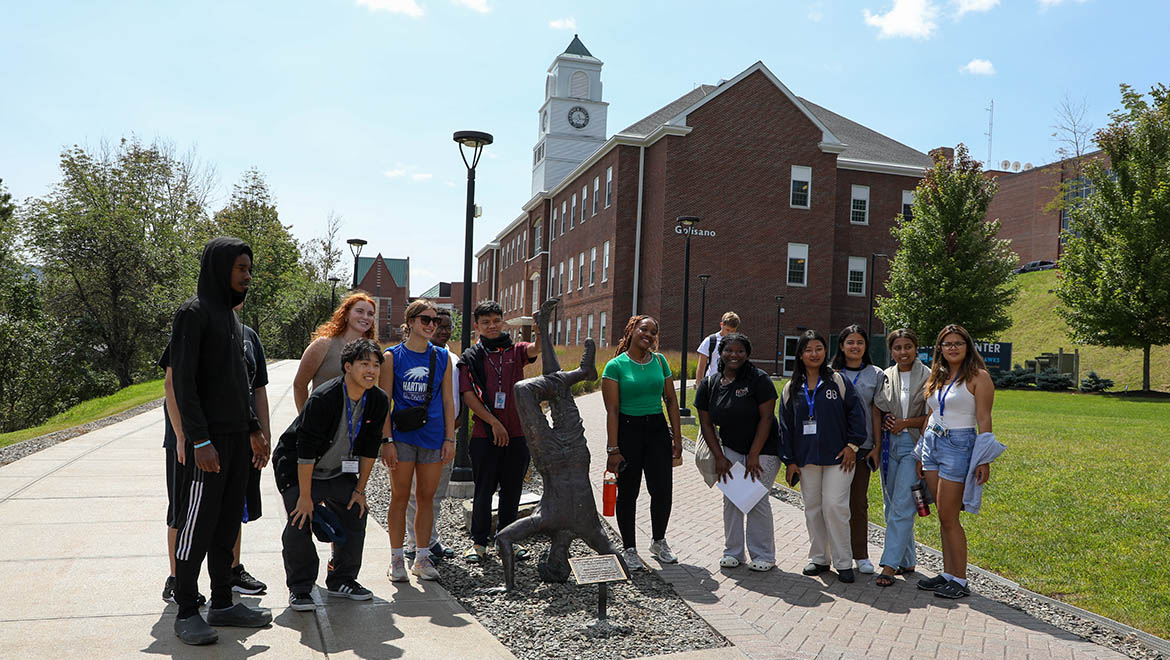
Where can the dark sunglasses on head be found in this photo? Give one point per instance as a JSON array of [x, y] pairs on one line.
[[427, 320]]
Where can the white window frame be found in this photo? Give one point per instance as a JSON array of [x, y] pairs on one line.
[[608, 186], [558, 339], [572, 261], [592, 266], [858, 194], [785, 356], [590, 332], [569, 331], [561, 280], [577, 336], [907, 201], [536, 293], [605, 262], [602, 341], [796, 251], [800, 173], [552, 230], [581, 272], [856, 265], [596, 190], [584, 201], [573, 212], [552, 280], [520, 298]]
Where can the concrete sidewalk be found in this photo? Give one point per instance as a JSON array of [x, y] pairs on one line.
[[83, 560], [783, 614]]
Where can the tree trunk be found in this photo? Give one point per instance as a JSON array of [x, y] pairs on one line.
[[1146, 368]]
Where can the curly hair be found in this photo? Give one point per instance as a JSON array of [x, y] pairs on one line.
[[940, 369], [631, 325], [337, 325]]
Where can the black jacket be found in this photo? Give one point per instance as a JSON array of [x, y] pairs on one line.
[[207, 350], [840, 417], [312, 432]]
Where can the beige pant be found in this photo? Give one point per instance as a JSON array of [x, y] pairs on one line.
[[825, 489]]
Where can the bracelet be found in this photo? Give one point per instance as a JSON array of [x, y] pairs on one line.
[[203, 444], [613, 450], [449, 440], [360, 492]]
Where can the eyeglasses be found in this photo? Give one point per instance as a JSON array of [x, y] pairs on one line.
[[953, 344], [427, 320]]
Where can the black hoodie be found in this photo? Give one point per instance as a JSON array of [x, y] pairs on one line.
[[207, 350]]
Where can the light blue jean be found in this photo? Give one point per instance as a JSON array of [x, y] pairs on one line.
[[901, 474]]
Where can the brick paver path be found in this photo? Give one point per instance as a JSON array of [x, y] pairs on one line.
[[784, 614]]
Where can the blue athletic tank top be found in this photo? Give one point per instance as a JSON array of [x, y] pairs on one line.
[[410, 389]]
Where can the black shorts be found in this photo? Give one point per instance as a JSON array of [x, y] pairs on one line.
[[172, 466]]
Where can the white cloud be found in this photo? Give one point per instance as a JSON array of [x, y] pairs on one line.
[[978, 67], [816, 11], [421, 176], [967, 6], [480, 6], [569, 23], [907, 18], [449, 184], [411, 171], [408, 7], [1053, 3]]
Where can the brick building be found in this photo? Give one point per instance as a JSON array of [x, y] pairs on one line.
[[1025, 205], [793, 200], [448, 295], [387, 281]]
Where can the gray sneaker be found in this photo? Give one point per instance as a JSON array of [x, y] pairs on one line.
[[239, 615], [661, 551], [633, 561], [425, 569], [397, 572], [194, 631]]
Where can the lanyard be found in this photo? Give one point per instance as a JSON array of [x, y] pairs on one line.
[[811, 400], [855, 377], [498, 369], [942, 396], [349, 426]]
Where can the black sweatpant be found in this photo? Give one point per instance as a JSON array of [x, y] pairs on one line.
[[300, 555], [208, 508], [495, 467], [645, 447]]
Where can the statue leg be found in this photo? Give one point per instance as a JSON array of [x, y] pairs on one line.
[[587, 369], [548, 351], [555, 567], [520, 529], [596, 538]]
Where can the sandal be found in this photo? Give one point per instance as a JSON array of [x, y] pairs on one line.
[[475, 554], [728, 562], [904, 571], [760, 566], [883, 580]]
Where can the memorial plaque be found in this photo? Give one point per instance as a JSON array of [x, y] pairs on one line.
[[599, 568]]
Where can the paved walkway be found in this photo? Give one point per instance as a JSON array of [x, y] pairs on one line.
[[783, 614], [83, 559]]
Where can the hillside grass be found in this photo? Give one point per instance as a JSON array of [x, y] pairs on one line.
[[1036, 328], [88, 411]]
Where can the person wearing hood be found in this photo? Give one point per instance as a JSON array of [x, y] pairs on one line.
[[488, 371], [210, 379]]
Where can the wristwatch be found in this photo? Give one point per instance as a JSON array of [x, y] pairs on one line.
[[854, 447], [386, 441], [448, 439], [613, 450]]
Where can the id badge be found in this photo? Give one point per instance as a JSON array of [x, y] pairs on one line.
[[349, 466], [810, 427], [938, 429], [501, 400]]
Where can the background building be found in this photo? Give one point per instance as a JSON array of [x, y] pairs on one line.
[[387, 281], [448, 295]]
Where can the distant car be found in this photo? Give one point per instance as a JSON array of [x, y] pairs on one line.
[[1033, 266]]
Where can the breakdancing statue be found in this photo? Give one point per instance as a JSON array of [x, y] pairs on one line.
[[567, 508]]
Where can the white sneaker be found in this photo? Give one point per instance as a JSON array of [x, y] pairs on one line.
[[397, 572], [424, 568], [865, 566], [633, 561], [662, 552]]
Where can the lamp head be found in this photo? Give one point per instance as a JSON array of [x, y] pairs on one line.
[[704, 277], [473, 139], [355, 246], [687, 220], [335, 280]]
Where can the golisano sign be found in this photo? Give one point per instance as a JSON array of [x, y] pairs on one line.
[[694, 231]]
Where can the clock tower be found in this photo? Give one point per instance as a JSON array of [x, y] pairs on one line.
[[572, 118]]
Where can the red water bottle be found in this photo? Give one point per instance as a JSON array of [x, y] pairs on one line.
[[609, 494], [919, 495]]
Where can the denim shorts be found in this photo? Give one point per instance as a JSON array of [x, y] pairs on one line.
[[408, 453], [949, 453]]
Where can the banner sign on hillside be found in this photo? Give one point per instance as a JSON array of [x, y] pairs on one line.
[[997, 355]]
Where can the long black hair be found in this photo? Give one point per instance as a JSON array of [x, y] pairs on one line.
[[798, 374], [745, 369], [838, 362]]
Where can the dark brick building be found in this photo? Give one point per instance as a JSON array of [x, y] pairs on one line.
[[387, 281], [793, 200]]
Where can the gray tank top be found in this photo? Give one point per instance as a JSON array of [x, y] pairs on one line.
[[331, 364]]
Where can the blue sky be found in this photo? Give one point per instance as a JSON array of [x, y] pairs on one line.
[[349, 105]]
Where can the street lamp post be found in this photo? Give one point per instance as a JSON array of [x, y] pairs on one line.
[[687, 223], [473, 141], [355, 246], [333, 293], [869, 318], [779, 347], [703, 312]]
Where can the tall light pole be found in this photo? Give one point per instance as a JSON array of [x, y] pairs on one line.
[[473, 141], [333, 293], [355, 246], [687, 223], [869, 317], [703, 313], [779, 347]]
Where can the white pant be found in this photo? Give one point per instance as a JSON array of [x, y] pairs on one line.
[[761, 541], [825, 489]]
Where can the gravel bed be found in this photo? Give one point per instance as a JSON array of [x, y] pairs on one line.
[[33, 445], [645, 616]]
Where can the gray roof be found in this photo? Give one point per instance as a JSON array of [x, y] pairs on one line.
[[862, 143], [649, 123], [577, 48]]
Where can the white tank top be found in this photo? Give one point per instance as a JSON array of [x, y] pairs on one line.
[[960, 407]]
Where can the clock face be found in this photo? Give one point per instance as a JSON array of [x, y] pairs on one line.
[[578, 117]]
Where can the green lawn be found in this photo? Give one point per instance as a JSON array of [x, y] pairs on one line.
[[1078, 507], [91, 410]]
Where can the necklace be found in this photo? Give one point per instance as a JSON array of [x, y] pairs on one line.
[[649, 357]]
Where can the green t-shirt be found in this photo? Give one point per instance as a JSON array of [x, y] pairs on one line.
[[639, 385]]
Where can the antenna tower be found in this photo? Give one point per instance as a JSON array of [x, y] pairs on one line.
[[990, 118]]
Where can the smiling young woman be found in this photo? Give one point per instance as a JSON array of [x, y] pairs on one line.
[[321, 361]]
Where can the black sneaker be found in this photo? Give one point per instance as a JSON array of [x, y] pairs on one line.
[[240, 616], [244, 583], [845, 575], [930, 584], [952, 589], [168, 593], [351, 590], [301, 601], [815, 569], [194, 631]]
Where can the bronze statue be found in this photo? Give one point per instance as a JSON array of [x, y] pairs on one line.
[[561, 456]]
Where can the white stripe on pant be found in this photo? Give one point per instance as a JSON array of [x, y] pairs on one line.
[[825, 489], [761, 541], [183, 549]]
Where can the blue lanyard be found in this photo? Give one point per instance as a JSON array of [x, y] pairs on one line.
[[811, 399], [942, 396], [857, 376], [349, 426]]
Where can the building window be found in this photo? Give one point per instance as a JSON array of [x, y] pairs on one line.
[[520, 298], [558, 341], [596, 188], [536, 239], [801, 186], [573, 212], [389, 304], [552, 228], [608, 186], [859, 209], [602, 333], [561, 280], [581, 272], [856, 276], [790, 354], [907, 205], [536, 293], [590, 333], [584, 201], [552, 278], [569, 331], [592, 266], [570, 283], [579, 85], [1075, 191], [798, 264], [577, 341], [564, 212]]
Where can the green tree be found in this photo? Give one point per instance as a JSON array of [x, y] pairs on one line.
[[114, 238], [950, 267], [1114, 286]]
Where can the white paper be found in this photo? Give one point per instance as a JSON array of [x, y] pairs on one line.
[[741, 489]]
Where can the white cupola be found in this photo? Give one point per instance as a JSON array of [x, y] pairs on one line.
[[572, 117]]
